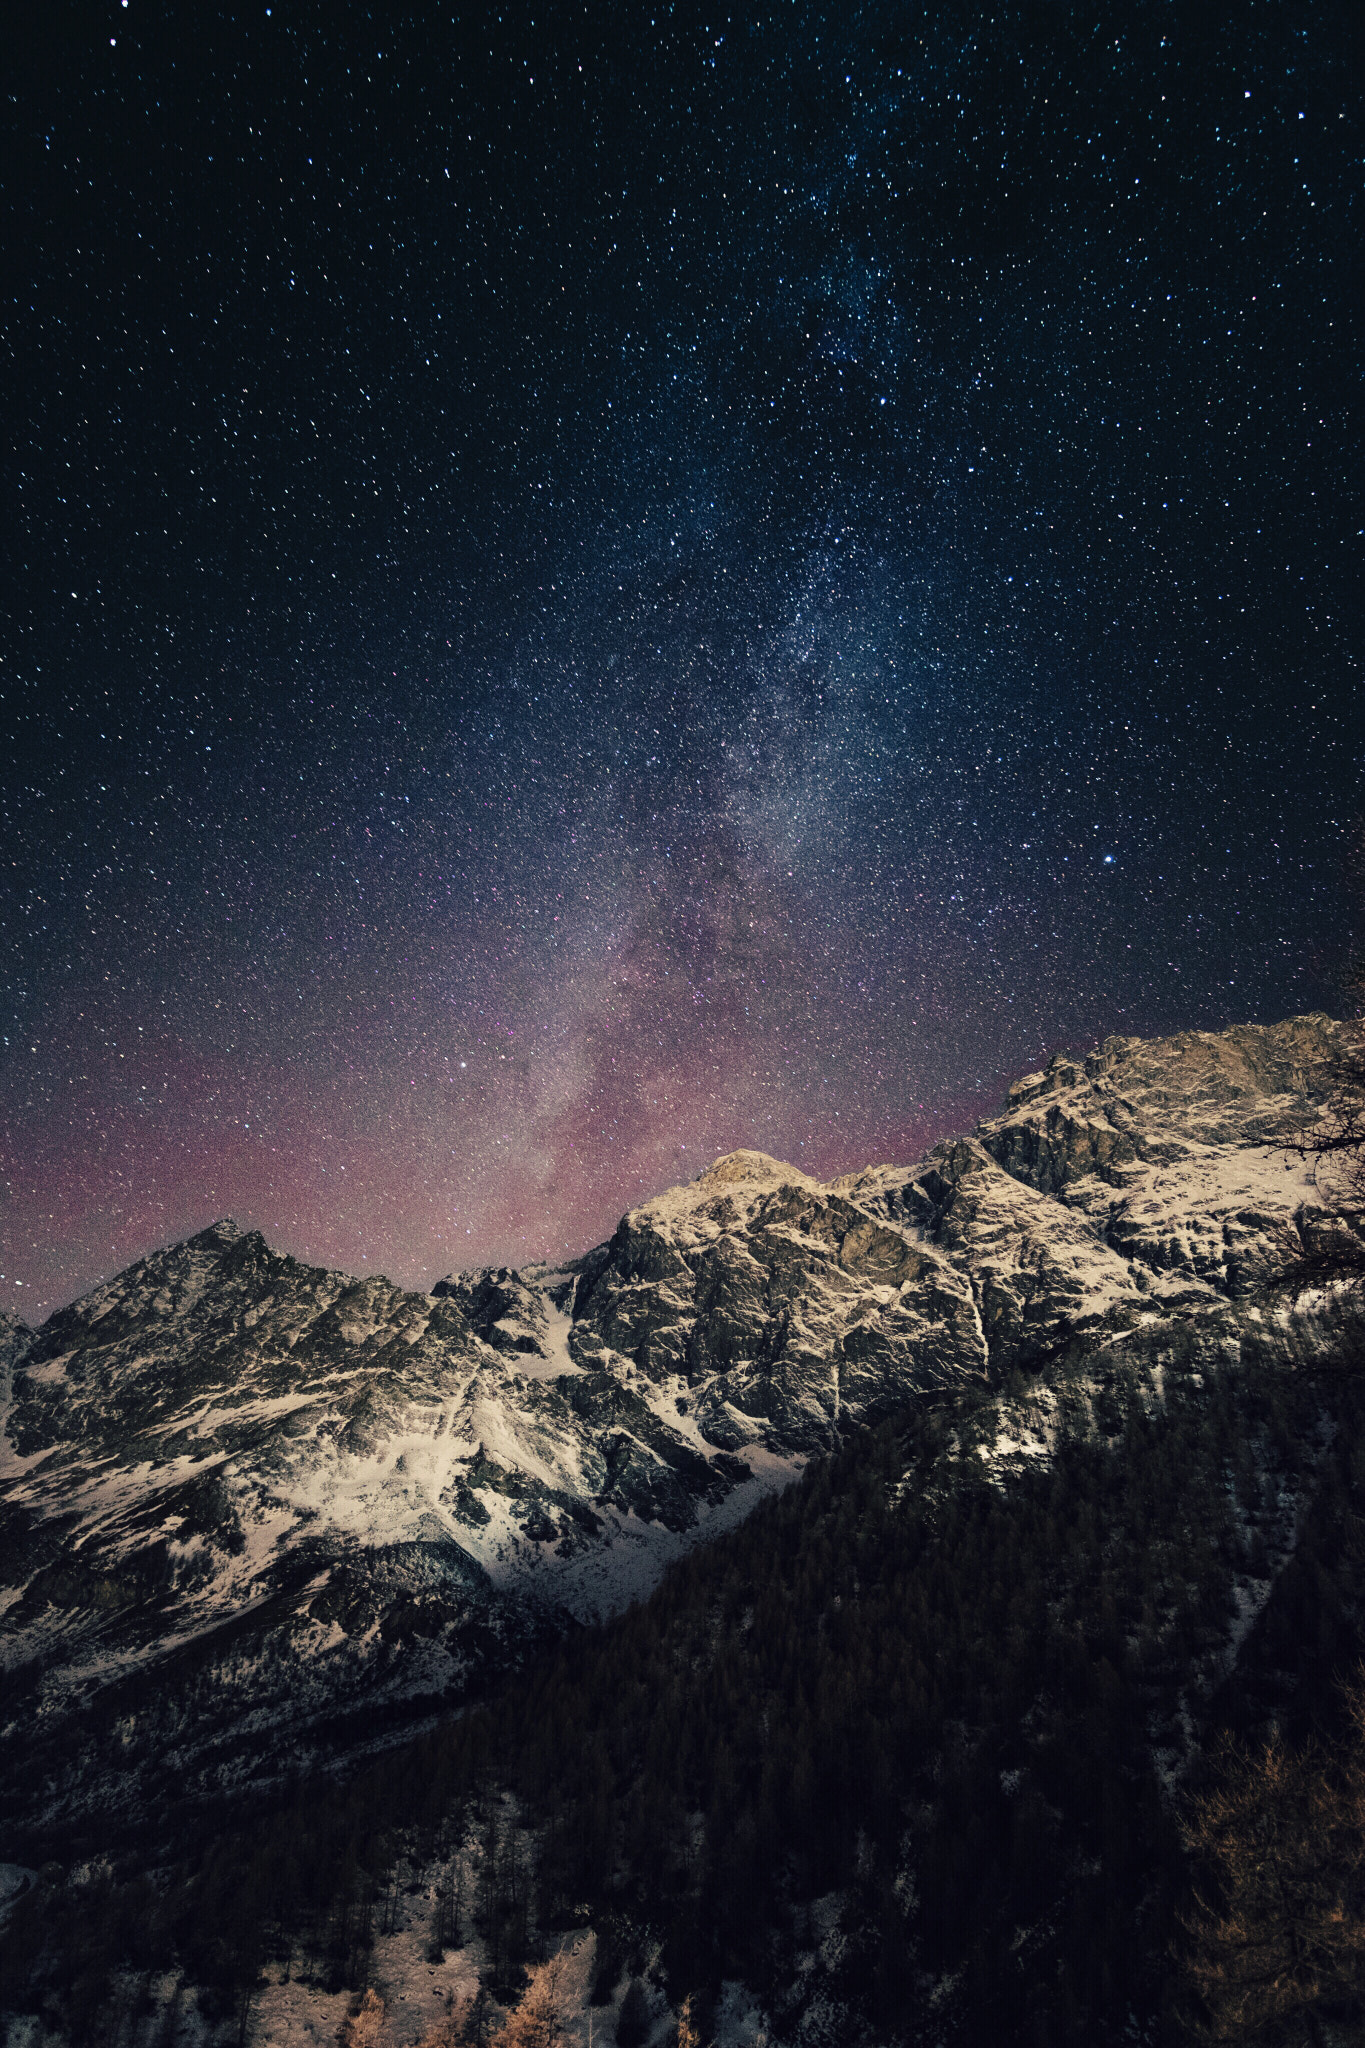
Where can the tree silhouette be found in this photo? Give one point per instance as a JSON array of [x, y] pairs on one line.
[[632, 2022], [362, 2029], [538, 2021], [1276, 1937]]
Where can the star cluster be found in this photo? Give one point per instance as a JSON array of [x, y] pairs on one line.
[[589, 586]]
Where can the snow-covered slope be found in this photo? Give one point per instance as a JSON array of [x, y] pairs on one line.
[[253, 1511]]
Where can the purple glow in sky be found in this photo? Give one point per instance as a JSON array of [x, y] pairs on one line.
[[581, 599]]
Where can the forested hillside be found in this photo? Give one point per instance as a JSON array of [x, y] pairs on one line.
[[909, 1754], [257, 1517]]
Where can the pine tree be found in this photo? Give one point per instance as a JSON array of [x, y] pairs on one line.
[[477, 2023], [1277, 1934], [688, 2034], [632, 2022], [538, 2021], [362, 2029]]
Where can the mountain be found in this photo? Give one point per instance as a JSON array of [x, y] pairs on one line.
[[255, 1515]]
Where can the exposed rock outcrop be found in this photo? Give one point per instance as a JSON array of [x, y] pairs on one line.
[[250, 1509]]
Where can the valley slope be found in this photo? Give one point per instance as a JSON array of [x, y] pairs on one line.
[[254, 1515]]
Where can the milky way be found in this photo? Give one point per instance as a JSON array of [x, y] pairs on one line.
[[586, 589]]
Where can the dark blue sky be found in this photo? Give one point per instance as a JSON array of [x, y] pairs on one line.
[[586, 587]]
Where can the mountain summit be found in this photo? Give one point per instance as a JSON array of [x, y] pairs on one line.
[[255, 1510]]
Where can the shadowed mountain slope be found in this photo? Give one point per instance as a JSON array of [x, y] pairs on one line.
[[253, 1513]]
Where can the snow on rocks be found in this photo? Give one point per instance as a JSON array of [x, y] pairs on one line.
[[253, 1508]]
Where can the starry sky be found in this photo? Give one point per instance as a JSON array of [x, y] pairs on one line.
[[585, 586]]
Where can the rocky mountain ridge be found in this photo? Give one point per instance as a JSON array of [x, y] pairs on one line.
[[253, 1511]]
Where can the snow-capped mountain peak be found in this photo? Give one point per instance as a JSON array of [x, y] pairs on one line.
[[252, 1507]]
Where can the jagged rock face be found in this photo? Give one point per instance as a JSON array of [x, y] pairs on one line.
[[251, 1509], [503, 1309], [204, 1501], [15, 1338], [1173, 1149], [775, 1309]]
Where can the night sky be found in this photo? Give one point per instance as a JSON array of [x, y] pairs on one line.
[[585, 587]]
